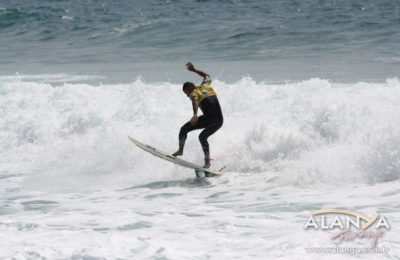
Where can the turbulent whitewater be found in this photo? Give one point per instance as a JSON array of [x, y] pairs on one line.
[[72, 185]]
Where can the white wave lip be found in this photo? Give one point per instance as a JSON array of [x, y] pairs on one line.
[[307, 132]]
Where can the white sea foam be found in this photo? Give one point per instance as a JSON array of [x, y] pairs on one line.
[[73, 186], [306, 133], [68, 18]]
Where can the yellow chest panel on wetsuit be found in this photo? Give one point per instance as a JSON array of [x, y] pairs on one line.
[[203, 90]]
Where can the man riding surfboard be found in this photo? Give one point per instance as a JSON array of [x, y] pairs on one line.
[[202, 96]]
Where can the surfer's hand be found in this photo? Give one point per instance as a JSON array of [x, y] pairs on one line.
[[194, 119], [190, 66]]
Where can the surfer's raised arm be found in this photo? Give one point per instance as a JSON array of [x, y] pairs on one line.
[[191, 67]]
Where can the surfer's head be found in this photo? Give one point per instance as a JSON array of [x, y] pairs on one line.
[[188, 88]]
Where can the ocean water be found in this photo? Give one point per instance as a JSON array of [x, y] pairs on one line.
[[269, 40], [310, 92]]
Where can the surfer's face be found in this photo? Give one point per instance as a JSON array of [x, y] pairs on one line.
[[188, 91]]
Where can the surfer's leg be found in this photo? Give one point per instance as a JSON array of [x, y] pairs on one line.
[[185, 129], [208, 131]]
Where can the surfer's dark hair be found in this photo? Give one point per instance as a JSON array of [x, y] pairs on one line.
[[187, 85]]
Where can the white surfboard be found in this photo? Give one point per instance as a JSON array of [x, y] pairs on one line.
[[172, 159]]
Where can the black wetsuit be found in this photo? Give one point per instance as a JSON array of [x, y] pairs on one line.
[[211, 121]]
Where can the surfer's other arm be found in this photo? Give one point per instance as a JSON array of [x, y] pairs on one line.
[[191, 67], [195, 104]]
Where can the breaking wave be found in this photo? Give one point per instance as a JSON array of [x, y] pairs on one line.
[[305, 133]]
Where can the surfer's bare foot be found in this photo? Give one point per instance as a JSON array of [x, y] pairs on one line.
[[177, 153], [207, 163]]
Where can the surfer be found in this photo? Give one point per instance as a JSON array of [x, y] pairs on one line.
[[202, 96]]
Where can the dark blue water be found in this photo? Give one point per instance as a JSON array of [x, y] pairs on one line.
[[288, 39]]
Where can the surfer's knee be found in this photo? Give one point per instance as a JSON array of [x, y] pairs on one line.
[[203, 137], [184, 130], [219, 123]]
